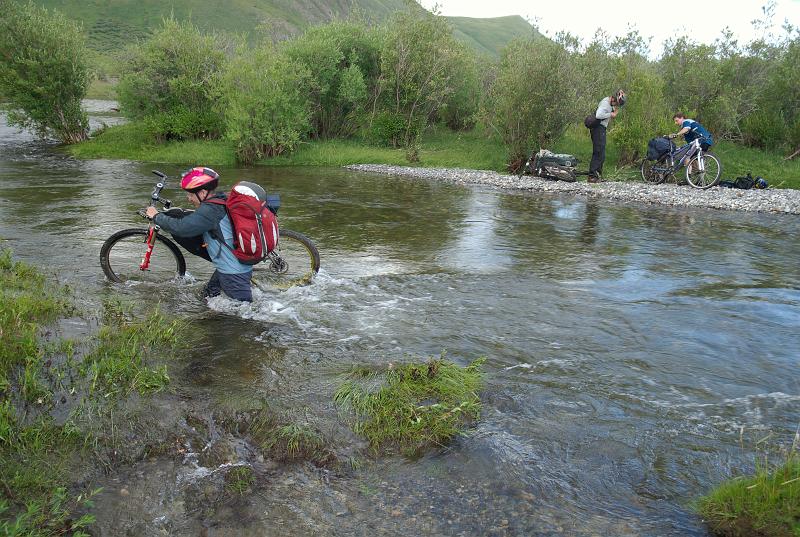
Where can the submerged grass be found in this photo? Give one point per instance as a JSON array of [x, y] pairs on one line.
[[766, 504], [118, 364], [288, 441], [414, 406], [36, 453]]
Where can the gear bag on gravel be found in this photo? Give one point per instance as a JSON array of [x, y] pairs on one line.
[[255, 227], [556, 166]]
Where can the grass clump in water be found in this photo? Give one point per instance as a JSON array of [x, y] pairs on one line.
[[239, 480], [119, 363], [766, 504], [288, 441], [414, 406]]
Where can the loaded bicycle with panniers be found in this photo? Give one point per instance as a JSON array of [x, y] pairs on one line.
[[146, 255], [664, 159]]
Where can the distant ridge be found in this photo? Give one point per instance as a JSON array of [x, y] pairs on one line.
[[489, 36], [112, 24]]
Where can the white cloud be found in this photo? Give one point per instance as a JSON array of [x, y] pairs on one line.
[[703, 20]]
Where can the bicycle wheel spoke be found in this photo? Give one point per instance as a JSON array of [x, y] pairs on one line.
[[703, 172], [123, 258], [294, 262]]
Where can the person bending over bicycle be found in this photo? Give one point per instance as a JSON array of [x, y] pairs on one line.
[[199, 232], [691, 131]]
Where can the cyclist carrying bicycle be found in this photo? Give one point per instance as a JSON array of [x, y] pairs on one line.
[[691, 131], [200, 230]]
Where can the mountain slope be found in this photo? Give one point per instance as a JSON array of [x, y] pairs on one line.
[[489, 36], [111, 24]]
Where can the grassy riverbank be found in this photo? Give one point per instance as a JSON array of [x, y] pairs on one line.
[[439, 148], [47, 383], [767, 503]]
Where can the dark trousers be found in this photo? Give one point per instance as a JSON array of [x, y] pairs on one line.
[[236, 286], [598, 150]]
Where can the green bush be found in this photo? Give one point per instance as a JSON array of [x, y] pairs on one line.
[[44, 71], [266, 108], [533, 98], [172, 81], [388, 129], [421, 66], [343, 60]]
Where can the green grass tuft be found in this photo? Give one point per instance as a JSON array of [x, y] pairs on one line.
[[766, 504], [119, 364], [414, 406], [287, 441]]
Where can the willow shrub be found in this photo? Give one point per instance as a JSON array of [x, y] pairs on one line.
[[533, 99], [266, 105], [343, 60], [171, 82], [44, 71], [422, 66]]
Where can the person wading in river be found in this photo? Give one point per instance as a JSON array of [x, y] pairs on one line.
[[607, 109], [200, 233]]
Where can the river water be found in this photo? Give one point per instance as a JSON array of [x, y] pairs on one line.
[[634, 353]]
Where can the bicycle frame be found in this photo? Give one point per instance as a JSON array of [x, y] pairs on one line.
[[689, 150], [155, 197]]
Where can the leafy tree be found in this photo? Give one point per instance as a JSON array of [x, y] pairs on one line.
[[343, 59], [265, 103], [420, 62], [43, 71], [534, 97], [171, 81]]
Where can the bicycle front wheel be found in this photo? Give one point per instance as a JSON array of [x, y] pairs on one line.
[[294, 261], [122, 253], [703, 172], [650, 172]]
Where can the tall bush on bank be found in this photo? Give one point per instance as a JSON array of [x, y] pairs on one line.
[[420, 63], [171, 82], [266, 107], [533, 98], [343, 60], [44, 71]]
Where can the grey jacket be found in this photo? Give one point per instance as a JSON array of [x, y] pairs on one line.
[[604, 110]]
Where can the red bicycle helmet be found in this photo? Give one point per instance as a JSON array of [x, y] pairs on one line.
[[199, 178]]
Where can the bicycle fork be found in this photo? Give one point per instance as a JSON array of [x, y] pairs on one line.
[[150, 241]]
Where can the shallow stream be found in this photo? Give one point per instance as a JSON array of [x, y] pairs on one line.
[[633, 352]]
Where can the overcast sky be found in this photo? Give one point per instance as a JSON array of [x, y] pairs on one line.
[[701, 19]]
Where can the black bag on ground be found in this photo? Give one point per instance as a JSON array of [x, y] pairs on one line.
[[658, 147], [745, 182], [560, 167], [591, 121]]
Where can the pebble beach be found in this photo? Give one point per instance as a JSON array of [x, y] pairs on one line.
[[771, 200]]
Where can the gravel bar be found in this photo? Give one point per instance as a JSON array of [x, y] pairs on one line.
[[768, 201]]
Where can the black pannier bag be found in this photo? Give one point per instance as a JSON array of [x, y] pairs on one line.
[[658, 147], [591, 121], [549, 165]]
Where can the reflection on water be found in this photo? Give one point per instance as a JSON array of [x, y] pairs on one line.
[[627, 345]]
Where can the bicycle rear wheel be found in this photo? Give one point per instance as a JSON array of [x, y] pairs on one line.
[[650, 172], [294, 261], [122, 253], [703, 172]]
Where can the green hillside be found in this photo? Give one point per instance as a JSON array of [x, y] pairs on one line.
[[111, 24], [489, 36]]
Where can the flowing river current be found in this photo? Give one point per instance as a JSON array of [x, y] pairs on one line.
[[634, 354]]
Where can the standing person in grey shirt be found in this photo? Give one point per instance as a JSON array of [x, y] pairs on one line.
[[608, 108]]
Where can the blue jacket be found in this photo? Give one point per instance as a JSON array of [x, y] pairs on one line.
[[206, 219], [696, 130]]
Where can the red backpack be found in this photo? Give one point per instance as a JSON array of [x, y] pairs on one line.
[[255, 227]]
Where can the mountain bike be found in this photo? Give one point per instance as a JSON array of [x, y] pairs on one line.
[[703, 169], [145, 255]]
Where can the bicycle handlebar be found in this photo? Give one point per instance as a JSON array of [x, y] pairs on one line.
[[155, 196]]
